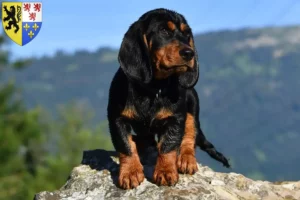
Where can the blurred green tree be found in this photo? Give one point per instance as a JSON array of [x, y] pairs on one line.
[[20, 134], [37, 151]]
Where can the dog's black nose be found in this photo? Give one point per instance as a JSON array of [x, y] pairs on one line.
[[187, 54]]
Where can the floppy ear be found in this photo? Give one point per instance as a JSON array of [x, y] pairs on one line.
[[134, 54], [190, 77]]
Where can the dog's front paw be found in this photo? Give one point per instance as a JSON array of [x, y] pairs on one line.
[[165, 176], [187, 164], [165, 172], [131, 176]]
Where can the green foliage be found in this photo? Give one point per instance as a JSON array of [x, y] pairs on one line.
[[247, 68], [37, 150], [20, 64], [110, 56]]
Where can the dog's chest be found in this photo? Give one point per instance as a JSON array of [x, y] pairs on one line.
[[152, 106], [151, 110], [148, 108]]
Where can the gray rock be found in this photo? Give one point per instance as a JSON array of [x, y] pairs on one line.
[[96, 177]]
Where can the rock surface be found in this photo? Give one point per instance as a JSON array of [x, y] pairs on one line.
[[96, 177]]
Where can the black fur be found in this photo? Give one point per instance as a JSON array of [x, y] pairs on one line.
[[135, 86]]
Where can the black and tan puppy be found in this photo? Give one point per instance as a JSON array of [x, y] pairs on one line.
[[152, 95]]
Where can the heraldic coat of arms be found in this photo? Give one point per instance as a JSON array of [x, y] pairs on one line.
[[22, 21]]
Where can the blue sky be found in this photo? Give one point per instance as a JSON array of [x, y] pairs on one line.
[[75, 25]]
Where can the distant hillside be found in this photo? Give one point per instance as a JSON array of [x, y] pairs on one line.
[[249, 90]]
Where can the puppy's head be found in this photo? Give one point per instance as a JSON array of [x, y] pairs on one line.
[[160, 44]]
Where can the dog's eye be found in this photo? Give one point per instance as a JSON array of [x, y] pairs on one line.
[[165, 31]]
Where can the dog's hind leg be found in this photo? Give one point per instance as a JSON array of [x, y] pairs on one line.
[[186, 162], [201, 141]]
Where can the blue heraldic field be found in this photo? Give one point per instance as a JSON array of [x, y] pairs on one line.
[[29, 31]]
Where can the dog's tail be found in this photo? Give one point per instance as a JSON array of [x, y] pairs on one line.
[[209, 148]]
